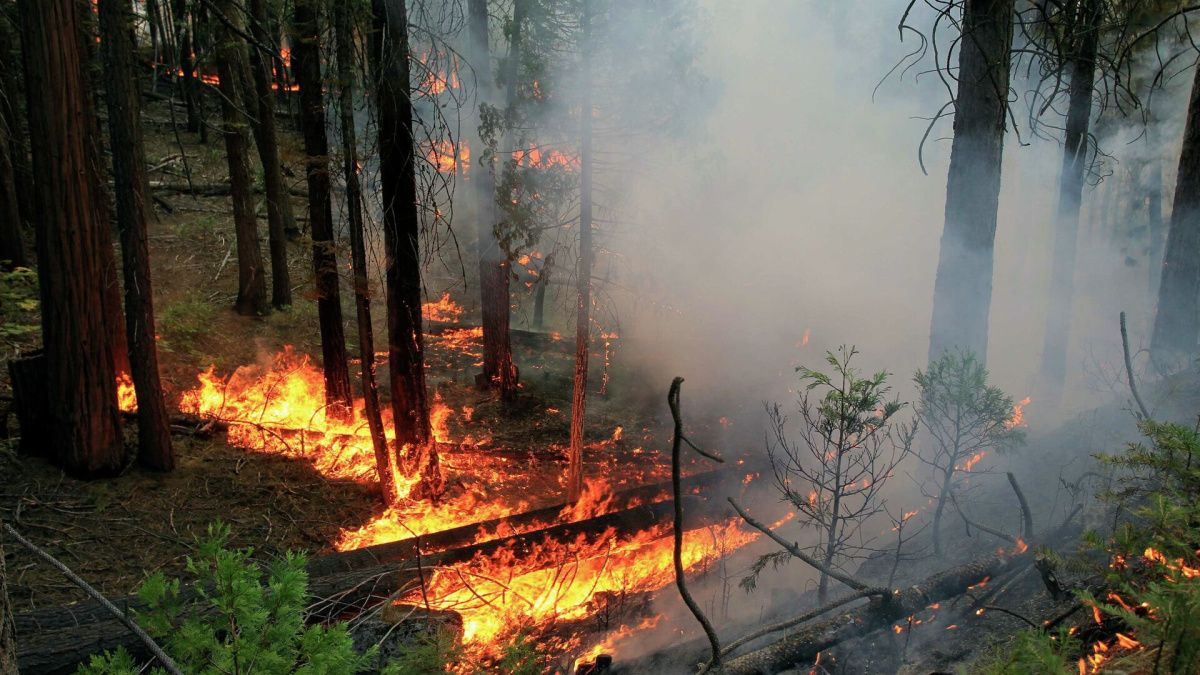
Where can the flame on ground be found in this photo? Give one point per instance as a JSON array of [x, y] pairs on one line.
[[444, 309]]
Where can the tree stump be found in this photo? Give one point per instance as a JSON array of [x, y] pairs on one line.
[[31, 401]]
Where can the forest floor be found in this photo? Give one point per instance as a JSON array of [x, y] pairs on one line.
[[115, 531]]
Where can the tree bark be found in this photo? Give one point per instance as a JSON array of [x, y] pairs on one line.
[[12, 240], [8, 640], [186, 69], [1070, 195], [583, 273], [499, 371], [85, 427], [266, 137], [401, 230], [343, 18], [1176, 322], [129, 173], [11, 93], [962, 293], [231, 56], [307, 55]]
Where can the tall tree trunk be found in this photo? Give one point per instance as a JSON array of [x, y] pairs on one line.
[[231, 56], [11, 93], [12, 241], [385, 466], [539, 297], [1176, 323], [499, 371], [279, 207], [962, 293], [85, 427], [584, 271], [8, 640], [1070, 195], [307, 55], [401, 229], [129, 173], [186, 69]]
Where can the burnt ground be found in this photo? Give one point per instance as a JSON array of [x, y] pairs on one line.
[[114, 531]]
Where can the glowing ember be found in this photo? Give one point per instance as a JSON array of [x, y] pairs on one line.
[[126, 396]]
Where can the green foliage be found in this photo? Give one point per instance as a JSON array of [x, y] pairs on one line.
[[110, 663], [1156, 552], [429, 655], [20, 319], [1033, 651], [521, 657], [236, 623], [962, 412]]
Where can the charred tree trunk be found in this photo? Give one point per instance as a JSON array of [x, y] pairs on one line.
[[12, 241], [186, 70], [401, 229], [279, 207], [962, 292], [584, 272], [85, 428], [343, 19], [231, 56], [1070, 196], [129, 173], [307, 56], [539, 297], [1176, 323], [499, 371]]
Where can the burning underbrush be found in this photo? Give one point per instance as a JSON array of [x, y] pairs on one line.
[[554, 589]]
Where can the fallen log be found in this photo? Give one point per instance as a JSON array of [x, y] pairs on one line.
[[211, 189], [57, 640]]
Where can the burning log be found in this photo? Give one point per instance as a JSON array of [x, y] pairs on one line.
[[56, 640]]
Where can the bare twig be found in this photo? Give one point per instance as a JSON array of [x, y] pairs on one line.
[[673, 402], [1129, 370], [167, 662]]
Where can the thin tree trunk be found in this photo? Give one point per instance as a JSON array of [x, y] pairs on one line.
[[11, 93], [129, 172], [539, 297], [584, 272], [962, 292], [85, 425], [279, 207], [384, 462], [401, 228], [1066, 230], [185, 72], [8, 640], [1176, 323], [499, 371], [320, 211], [252, 283]]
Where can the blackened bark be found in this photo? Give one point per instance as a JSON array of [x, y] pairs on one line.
[[962, 293], [401, 230], [1176, 323], [252, 282], [12, 244], [185, 72], [85, 428], [129, 174], [499, 371], [1070, 195], [384, 462], [583, 274], [279, 207], [307, 55]]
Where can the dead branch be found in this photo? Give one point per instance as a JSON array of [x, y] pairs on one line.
[[795, 550], [1129, 370], [167, 662], [673, 402], [1026, 514], [982, 528]]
